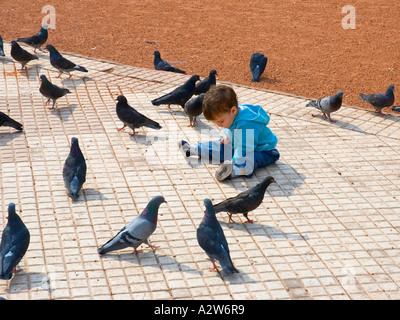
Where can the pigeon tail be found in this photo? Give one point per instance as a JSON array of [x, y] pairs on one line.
[[364, 97], [312, 104], [230, 269], [75, 186], [256, 74], [14, 124], [79, 68]]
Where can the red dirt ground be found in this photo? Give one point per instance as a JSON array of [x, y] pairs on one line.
[[309, 52]]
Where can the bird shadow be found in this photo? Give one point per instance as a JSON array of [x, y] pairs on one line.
[[147, 140], [23, 281], [257, 229], [341, 124], [150, 258], [91, 194], [6, 137], [64, 112], [269, 80], [75, 82]]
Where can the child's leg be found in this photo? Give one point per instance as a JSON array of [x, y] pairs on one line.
[[265, 158], [214, 151]]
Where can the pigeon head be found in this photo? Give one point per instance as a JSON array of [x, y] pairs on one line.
[[266, 182], [43, 78], [194, 78], [51, 49], [122, 99], [390, 88], [209, 213], [157, 53], [151, 210], [213, 72], [13, 218], [14, 43], [340, 93], [75, 150], [45, 27]]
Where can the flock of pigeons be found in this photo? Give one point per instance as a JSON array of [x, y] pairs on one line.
[[15, 238]]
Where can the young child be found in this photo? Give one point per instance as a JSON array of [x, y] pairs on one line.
[[247, 144]]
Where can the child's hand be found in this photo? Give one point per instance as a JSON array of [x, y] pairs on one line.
[[225, 140]]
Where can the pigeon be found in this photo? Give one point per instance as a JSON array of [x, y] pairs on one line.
[[62, 64], [211, 239], [51, 91], [21, 55], [194, 107], [205, 84], [132, 118], [160, 64], [380, 100], [6, 121], [245, 201], [328, 104], [137, 231], [179, 95], [14, 243], [1, 47], [396, 108], [74, 170], [37, 40], [258, 62]]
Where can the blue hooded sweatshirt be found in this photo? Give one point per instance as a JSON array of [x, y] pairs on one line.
[[249, 132]]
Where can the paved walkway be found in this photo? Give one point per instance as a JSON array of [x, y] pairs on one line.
[[328, 229]]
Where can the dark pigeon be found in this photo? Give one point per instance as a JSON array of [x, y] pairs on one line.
[[380, 100], [21, 55], [211, 239], [62, 64], [245, 201], [205, 84], [37, 40], [258, 62], [74, 170], [6, 121], [328, 104], [179, 95], [1, 47], [132, 118], [396, 108], [137, 231], [194, 107], [51, 91], [14, 243], [160, 64]]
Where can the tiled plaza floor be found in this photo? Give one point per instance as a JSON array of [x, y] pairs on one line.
[[328, 229]]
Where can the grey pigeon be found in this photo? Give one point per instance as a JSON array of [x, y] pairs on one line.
[[1, 47], [205, 84], [258, 62], [211, 239], [179, 95], [62, 64], [194, 107], [21, 55], [6, 121], [245, 201], [74, 170], [328, 104], [160, 64], [137, 231], [14, 243], [380, 100], [132, 118], [51, 91], [37, 40]]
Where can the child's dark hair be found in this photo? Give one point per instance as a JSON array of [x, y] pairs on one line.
[[218, 99]]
